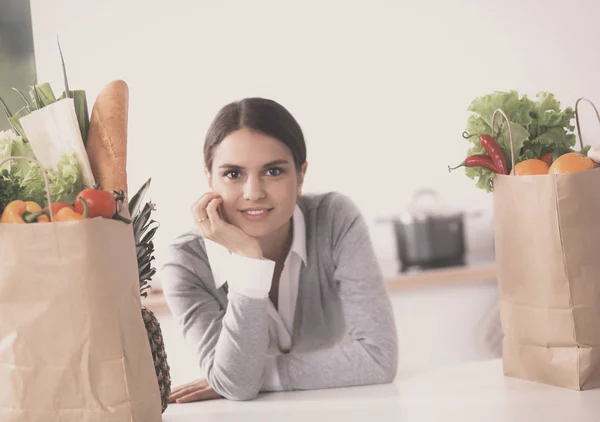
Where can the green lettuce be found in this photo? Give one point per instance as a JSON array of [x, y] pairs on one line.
[[13, 145], [65, 181], [21, 179], [538, 126]]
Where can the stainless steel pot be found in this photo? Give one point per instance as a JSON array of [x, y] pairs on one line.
[[429, 236]]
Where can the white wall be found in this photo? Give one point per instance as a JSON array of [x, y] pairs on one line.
[[380, 87]]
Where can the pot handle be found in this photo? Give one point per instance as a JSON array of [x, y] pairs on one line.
[[423, 193]]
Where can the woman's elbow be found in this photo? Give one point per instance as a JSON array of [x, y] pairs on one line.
[[235, 390], [388, 363], [242, 394], [389, 373]]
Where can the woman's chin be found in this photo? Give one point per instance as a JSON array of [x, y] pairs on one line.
[[254, 230]]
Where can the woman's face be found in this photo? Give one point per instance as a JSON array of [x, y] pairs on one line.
[[256, 176]]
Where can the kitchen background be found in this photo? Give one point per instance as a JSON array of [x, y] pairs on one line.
[[380, 88]]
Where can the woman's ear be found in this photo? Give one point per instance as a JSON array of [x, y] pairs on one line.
[[301, 175], [208, 178]]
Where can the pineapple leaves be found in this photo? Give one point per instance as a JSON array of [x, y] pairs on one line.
[[136, 200], [144, 229]]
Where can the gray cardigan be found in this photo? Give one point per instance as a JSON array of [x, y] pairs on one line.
[[344, 331]]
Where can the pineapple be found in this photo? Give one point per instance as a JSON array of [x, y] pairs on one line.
[[144, 230]]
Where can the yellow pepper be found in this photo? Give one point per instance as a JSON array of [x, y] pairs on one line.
[[23, 212]]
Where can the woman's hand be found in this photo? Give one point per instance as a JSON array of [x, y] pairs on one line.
[[214, 228], [193, 391]]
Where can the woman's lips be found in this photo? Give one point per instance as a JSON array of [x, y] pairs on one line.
[[256, 214]]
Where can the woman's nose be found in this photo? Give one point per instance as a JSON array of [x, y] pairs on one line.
[[253, 189]]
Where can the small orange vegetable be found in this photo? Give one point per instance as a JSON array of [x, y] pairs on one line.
[[57, 206], [23, 212], [69, 214]]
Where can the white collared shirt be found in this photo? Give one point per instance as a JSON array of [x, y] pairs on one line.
[[252, 277]]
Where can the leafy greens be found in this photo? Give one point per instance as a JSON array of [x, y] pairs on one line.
[[20, 179], [538, 126]]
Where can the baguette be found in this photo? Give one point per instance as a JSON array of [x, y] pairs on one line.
[[106, 144]]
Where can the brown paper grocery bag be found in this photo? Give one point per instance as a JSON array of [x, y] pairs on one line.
[[547, 238], [73, 346]]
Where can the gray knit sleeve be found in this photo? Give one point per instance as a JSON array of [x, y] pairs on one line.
[[369, 354], [230, 343]]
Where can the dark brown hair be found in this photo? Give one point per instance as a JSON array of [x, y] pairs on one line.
[[259, 114]]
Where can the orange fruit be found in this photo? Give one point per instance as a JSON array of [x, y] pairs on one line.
[[531, 166], [571, 162]]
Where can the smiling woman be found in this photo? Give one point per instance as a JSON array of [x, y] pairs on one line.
[[275, 289]]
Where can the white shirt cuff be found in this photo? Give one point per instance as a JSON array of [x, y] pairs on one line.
[[272, 381], [250, 276]]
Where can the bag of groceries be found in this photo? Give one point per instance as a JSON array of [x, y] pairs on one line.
[[547, 236], [75, 343]]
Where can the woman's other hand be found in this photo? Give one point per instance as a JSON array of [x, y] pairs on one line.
[[194, 391], [213, 227]]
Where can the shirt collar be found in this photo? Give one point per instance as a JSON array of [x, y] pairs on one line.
[[299, 235], [218, 255]]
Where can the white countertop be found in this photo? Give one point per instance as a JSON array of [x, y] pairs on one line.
[[475, 391]]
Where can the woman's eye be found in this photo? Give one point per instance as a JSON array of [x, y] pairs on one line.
[[275, 171], [232, 174]]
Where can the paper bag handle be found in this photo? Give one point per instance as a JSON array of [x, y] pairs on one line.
[[46, 183], [577, 117], [512, 146]]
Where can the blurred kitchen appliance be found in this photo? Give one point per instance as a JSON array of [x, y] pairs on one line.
[[429, 235]]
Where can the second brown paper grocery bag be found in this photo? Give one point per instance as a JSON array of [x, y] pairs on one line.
[[547, 238]]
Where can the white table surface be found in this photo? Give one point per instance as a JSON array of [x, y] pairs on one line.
[[475, 391]]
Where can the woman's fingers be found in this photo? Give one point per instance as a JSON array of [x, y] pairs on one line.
[[206, 393], [184, 392], [212, 211], [187, 389], [199, 208], [181, 387], [213, 227], [184, 386]]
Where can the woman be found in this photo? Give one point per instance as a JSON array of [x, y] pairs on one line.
[[275, 290]]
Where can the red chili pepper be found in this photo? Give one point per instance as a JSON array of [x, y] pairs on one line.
[[495, 152], [477, 160]]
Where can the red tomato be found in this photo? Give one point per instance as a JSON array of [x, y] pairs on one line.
[[101, 203], [547, 158]]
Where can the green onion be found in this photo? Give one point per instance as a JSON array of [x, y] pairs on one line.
[[14, 120], [23, 96], [6, 109], [44, 94]]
